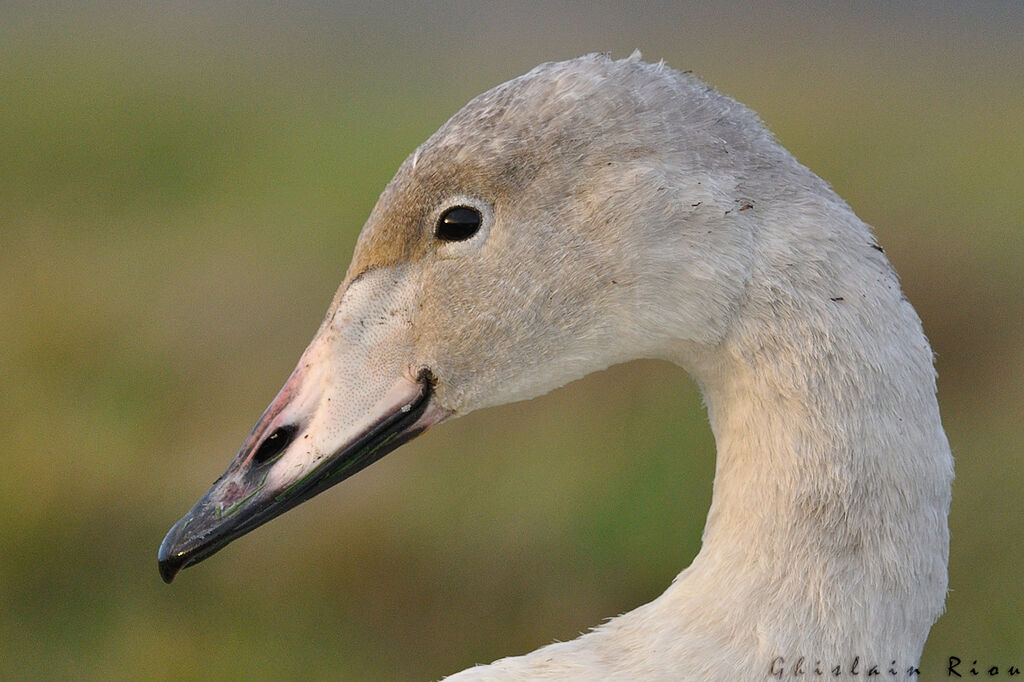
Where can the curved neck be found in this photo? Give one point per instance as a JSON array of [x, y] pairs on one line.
[[826, 543], [832, 485]]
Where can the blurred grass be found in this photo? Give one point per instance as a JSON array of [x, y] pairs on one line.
[[180, 190]]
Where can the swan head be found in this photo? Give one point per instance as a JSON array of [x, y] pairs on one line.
[[586, 213]]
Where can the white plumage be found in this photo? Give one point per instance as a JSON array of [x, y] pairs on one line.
[[628, 210]]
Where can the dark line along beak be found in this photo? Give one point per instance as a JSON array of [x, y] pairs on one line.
[[242, 499]]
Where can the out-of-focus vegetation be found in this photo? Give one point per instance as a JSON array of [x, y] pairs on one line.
[[180, 191]]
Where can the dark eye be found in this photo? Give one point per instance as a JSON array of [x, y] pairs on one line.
[[458, 224]]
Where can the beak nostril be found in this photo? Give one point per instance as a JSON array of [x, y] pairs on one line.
[[274, 444]]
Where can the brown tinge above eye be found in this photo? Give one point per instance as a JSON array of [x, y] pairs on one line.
[[458, 224]]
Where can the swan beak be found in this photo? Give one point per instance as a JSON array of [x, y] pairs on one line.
[[289, 457]]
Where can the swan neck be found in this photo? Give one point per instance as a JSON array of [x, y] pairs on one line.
[[833, 475]]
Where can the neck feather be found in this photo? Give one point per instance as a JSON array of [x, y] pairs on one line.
[[833, 475]]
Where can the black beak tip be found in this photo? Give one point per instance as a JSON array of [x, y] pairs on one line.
[[170, 561], [168, 569]]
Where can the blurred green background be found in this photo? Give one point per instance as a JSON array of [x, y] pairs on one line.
[[180, 191]]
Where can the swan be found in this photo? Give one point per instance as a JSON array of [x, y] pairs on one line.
[[594, 211]]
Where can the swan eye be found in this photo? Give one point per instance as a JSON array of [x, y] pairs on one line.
[[458, 224]]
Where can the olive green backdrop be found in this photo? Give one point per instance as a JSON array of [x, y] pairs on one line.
[[180, 192]]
